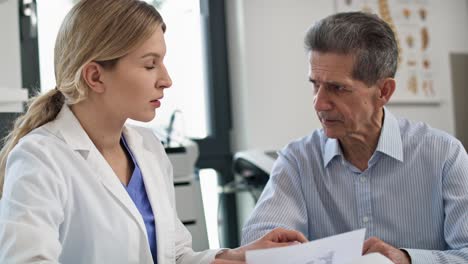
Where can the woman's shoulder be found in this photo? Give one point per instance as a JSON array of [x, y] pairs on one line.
[[38, 152], [39, 149], [41, 139]]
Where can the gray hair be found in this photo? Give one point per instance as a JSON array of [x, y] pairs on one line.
[[366, 36]]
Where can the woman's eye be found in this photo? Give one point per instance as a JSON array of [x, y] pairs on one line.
[[150, 67]]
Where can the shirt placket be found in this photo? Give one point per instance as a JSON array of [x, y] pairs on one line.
[[364, 205]]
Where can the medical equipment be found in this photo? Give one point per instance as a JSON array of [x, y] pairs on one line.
[[254, 166], [183, 156], [252, 169]]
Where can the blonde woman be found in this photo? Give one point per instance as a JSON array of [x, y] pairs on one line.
[[80, 186]]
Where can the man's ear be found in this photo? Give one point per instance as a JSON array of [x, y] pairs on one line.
[[386, 89], [92, 75]]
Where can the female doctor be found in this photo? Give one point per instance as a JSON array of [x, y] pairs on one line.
[[80, 186]]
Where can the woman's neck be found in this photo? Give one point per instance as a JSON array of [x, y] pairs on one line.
[[103, 127]]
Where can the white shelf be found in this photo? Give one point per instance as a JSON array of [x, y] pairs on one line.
[[415, 101], [12, 99]]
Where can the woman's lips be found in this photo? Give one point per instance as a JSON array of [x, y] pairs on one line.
[[155, 103]]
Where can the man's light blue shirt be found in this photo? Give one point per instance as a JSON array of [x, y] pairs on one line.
[[413, 195]]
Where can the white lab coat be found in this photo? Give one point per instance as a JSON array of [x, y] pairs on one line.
[[62, 202]]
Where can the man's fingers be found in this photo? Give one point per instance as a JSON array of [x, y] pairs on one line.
[[374, 248], [274, 244], [296, 236], [286, 244], [371, 242], [366, 247], [223, 261], [284, 235], [375, 245]]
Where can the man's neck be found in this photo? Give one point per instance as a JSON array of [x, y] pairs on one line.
[[358, 148]]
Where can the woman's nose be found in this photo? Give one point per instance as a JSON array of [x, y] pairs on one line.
[[165, 81]]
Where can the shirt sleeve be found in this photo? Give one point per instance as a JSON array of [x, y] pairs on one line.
[[455, 197], [31, 209], [281, 203]]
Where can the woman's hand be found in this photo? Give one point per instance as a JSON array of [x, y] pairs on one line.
[[278, 237]]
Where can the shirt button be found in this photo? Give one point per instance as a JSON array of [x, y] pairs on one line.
[[363, 179], [365, 219]]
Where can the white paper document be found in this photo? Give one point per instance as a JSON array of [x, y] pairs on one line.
[[373, 258], [340, 249]]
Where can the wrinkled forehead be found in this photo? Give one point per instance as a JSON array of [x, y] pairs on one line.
[[329, 66]]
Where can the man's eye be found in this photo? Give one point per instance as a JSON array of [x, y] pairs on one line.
[[150, 67], [315, 86], [337, 88]]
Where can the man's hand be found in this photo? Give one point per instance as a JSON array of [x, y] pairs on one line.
[[278, 237], [223, 261], [396, 255]]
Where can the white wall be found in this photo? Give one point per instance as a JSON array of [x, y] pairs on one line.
[[11, 94], [272, 99], [10, 62]]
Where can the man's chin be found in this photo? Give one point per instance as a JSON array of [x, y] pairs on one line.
[[330, 133]]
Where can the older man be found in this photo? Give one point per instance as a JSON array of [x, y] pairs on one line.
[[405, 182]]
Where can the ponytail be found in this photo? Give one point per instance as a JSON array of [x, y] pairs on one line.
[[41, 109]]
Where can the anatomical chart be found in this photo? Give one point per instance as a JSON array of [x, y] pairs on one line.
[[409, 21]]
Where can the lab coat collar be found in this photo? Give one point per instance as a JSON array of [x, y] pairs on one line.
[[67, 127], [156, 188]]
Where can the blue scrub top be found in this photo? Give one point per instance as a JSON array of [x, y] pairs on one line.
[[137, 191]]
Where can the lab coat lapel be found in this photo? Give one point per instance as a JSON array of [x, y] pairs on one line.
[[68, 126], [157, 190], [115, 187]]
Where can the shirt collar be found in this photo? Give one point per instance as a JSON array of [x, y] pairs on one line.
[[331, 149], [389, 141]]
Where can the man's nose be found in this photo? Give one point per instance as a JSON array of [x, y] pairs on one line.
[[322, 100]]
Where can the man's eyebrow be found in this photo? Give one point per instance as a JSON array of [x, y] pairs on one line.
[[335, 83], [328, 82]]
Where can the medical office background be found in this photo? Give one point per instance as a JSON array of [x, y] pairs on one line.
[[240, 83]]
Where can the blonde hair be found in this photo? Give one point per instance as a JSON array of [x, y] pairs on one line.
[[102, 31]]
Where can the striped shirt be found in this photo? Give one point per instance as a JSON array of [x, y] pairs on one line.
[[413, 195]]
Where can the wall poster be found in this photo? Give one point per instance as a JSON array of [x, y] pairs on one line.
[[409, 21]]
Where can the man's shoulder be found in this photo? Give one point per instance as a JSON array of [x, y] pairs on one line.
[[309, 146], [313, 139], [419, 138], [423, 132]]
